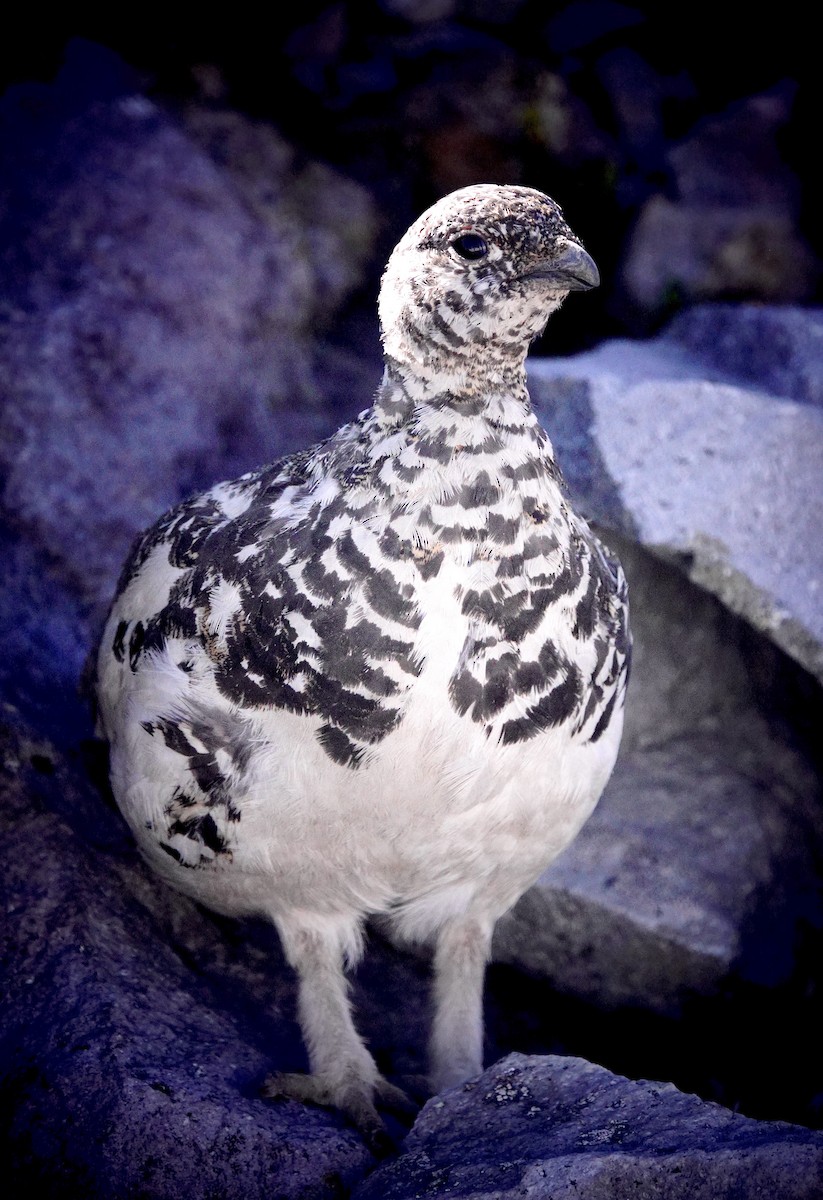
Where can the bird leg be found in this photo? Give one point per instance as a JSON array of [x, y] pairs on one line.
[[343, 1072], [456, 1043]]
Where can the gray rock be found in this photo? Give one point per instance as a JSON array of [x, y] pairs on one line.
[[701, 861], [732, 228], [733, 156], [778, 349], [161, 306], [689, 873], [165, 287], [681, 253], [721, 478], [328, 222], [562, 1128]]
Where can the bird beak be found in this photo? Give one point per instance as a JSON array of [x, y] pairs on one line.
[[571, 268]]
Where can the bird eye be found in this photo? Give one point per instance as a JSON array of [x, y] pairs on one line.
[[470, 245]]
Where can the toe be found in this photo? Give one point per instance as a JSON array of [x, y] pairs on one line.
[[308, 1089]]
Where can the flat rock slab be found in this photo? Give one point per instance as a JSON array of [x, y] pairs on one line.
[[557, 1128], [720, 477], [687, 872]]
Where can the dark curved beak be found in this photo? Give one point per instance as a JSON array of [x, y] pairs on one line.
[[571, 268]]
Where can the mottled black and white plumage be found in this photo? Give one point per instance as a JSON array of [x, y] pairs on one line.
[[384, 676]]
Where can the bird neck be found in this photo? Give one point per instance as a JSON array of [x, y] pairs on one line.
[[409, 392], [431, 444]]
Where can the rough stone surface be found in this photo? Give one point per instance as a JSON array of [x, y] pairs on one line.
[[563, 1128], [701, 861], [684, 253], [158, 312], [776, 348], [690, 871], [720, 477], [130, 1063], [165, 287]]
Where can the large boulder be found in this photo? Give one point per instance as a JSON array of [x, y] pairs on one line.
[[678, 450], [775, 349], [165, 284], [563, 1128], [161, 314]]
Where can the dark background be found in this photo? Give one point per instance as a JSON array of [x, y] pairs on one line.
[[416, 98]]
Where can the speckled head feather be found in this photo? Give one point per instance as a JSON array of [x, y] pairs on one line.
[[475, 279]]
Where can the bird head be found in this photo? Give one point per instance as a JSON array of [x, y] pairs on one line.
[[473, 282]]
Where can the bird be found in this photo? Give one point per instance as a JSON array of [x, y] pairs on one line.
[[383, 679]]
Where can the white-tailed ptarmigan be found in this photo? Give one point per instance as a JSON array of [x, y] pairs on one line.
[[384, 676]]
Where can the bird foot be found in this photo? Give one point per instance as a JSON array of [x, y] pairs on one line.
[[356, 1100]]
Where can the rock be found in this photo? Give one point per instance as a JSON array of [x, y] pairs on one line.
[[679, 254], [164, 293], [776, 349], [732, 157], [554, 1127], [732, 228], [328, 222], [718, 477], [699, 868], [135, 1036], [162, 305]]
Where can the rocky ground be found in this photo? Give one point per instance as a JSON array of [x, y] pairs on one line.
[[188, 294]]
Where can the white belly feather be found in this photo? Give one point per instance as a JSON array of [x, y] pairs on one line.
[[438, 814]]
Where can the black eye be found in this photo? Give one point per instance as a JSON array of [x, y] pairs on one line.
[[470, 245]]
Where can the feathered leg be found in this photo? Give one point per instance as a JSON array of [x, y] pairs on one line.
[[343, 1072], [456, 1044]]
